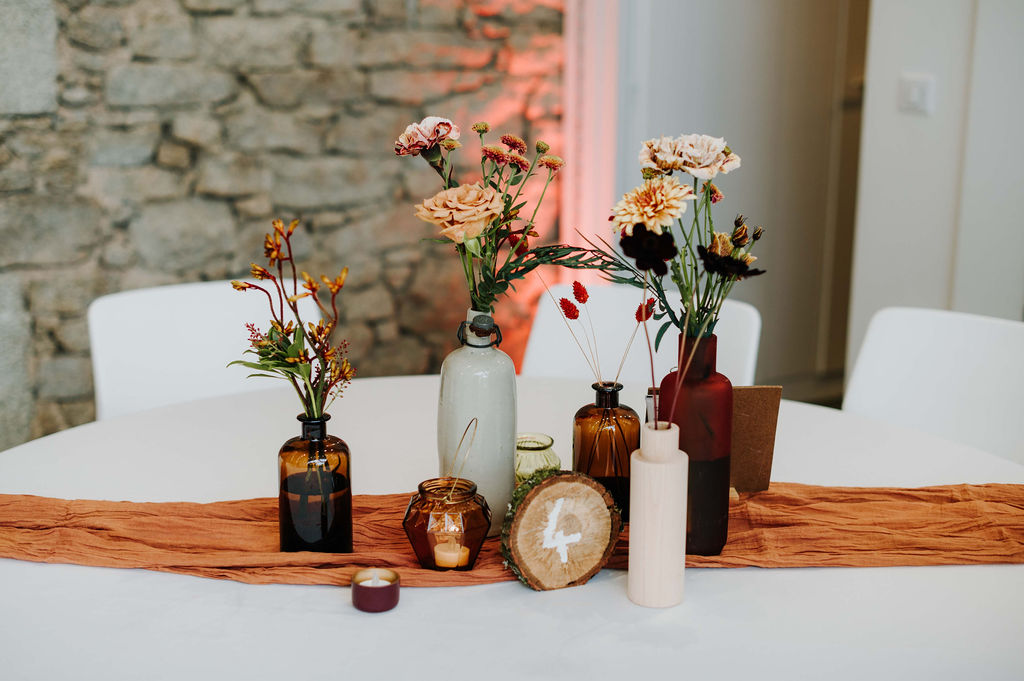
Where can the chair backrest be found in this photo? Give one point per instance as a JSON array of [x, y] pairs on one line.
[[959, 376], [168, 344], [550, 350]]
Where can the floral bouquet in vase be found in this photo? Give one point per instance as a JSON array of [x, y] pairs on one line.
[[658, 240], [315, 501], [606, 432], [490, 225]]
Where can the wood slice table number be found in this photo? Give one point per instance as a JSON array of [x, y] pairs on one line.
[[560, 530]]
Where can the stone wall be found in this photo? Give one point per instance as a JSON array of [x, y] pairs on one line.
[[148, 142]]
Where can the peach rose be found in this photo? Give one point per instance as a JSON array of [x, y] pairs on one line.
[[429, 132], [461, 212]]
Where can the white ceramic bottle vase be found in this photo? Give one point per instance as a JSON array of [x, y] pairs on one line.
[[657, 518], [479, 380]]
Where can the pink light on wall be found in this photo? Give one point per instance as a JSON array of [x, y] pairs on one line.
[[590, 119], [583, 133]]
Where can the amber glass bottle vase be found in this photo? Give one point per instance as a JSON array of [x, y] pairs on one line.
[[604, 434], [315, 503], [703, 412]]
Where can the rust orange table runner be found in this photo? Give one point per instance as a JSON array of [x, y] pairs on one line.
[[788, 525]]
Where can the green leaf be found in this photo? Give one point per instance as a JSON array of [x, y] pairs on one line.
[[661, 332], [251, 365], [473, 246]]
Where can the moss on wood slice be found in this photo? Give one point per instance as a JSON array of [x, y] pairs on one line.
[[560, 529]]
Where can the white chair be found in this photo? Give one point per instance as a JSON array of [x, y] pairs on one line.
[[959, 376], [168, 344], [550, 350]]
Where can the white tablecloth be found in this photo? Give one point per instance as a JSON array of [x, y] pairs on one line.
[[61, 621]]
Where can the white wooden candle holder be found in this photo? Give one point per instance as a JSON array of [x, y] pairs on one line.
[[657, 518]]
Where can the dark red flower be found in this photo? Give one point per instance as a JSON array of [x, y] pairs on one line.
[[579, 292], [518, 243], [645, 310], [568, 309], [726, 265], [649, 249]]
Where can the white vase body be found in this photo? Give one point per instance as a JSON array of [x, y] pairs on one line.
[[657, 518], [479, 381]]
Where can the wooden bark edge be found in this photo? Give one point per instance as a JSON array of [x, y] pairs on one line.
[[533, 486]]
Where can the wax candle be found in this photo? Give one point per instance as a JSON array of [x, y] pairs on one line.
[[374, 581], [451, 555], [375, 589]]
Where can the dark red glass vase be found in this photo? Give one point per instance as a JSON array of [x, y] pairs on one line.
[[703, 412]]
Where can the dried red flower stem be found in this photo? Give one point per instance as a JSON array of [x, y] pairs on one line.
[[597, 376], [568, 309]]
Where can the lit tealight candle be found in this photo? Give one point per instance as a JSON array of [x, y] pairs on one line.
[[375, 589], [374, 581], [451, 555]]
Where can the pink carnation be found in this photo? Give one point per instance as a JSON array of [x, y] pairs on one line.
[[428, 133]]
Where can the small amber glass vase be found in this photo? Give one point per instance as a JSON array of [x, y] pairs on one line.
[[315, 502], [604, 435], [447, 522]]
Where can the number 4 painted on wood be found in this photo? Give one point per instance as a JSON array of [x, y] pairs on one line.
[[558, 540]]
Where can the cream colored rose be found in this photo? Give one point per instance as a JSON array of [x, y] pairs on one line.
[[461, 212], [429, 132]]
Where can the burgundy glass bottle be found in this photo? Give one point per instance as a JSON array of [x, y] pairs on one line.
[[315, 503], [703, 412], [604, 435]]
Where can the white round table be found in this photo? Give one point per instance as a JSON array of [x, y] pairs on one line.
[[68, 621]]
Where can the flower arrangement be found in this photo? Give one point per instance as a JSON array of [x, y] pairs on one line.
[[703, 263], [485, 220], [292, 349]]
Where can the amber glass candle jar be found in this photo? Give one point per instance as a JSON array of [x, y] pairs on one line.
[[604, 434], [446, 523]]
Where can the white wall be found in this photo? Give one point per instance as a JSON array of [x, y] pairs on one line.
[[763, 75], [988, 276], [936, 221]]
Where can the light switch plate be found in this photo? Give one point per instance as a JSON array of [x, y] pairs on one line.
[[917, 93]]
